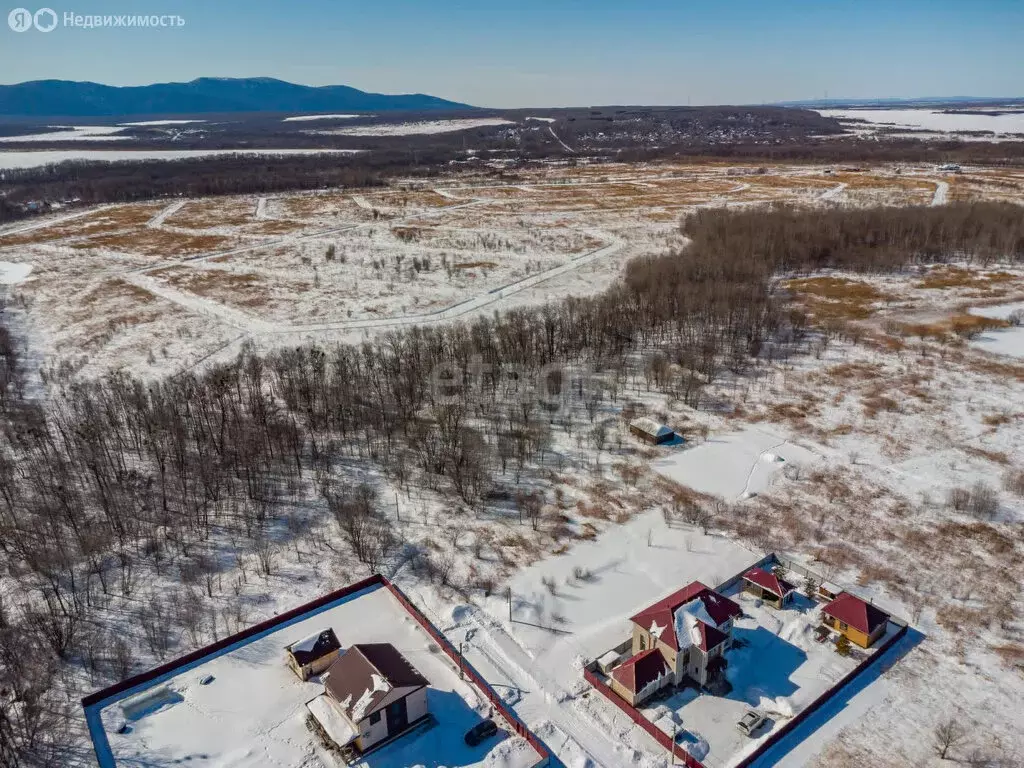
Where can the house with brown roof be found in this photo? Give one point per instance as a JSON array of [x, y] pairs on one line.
[[312, 655], [650, 431], [682, 635], [372, 694], [860, 621], [768, 587]]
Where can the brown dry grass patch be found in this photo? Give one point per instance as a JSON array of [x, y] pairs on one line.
[[244, 289], [836, 298], [107, 220], [943, 277], [203, 214], [154, 242]]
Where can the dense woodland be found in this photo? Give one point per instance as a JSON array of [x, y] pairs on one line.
[[112, 484]]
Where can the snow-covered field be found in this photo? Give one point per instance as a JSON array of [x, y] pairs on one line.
[[932, 120], [1001, 341], [203, 275], [147, 123], [74, 133], [252, 713], [418, 127], [13, 273], [734, 466], [303, 118], [34, 159]]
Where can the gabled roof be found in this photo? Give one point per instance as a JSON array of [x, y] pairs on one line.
[[858, 614], [639, 670], [769, 581], [651, 427], [370, 676], [659, 619], [709, 637], [314, 647]]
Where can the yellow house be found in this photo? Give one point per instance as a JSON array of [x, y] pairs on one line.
[[860, 621]]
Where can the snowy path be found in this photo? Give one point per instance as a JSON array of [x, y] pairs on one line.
[[362, 202], [941, 193], [833, 193], [157, 221], [261, 209], [48, 222], [199, 305], [498, 657], [559, 140]]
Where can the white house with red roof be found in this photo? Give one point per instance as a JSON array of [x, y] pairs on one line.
[[682, 635]]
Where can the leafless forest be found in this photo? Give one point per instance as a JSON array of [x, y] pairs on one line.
[[105, 483]]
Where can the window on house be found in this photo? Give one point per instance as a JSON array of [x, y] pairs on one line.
[[374, 718], [643, 642], [843, 626]]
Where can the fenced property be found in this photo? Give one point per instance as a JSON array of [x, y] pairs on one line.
[[206, 717], [596, 676]]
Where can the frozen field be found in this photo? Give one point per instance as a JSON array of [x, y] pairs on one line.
[[733, 466], [36, 158], [1003, 341], [419, 127], [253, 711], [155, 287], [936, 121]]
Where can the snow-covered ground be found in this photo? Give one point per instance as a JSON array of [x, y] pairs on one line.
[[33, 159], [932, 120], [253, 712], [303, 118], [419, 127], [74, 133], [1002, 341], [146, 123], [733, 466], [12, 273]]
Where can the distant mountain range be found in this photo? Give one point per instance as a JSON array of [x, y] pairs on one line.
[[66, 98]]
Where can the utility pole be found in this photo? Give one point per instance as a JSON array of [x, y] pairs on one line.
[[510, 604]]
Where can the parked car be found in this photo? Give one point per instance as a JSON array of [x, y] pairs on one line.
[[481, 732], [750, 722]]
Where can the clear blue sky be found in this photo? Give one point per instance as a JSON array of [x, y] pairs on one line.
[[551, 52]]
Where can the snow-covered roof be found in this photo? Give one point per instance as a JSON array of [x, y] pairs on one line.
[[314, 646], [335, 725], [370, 676], [650, 427], [660, 618]]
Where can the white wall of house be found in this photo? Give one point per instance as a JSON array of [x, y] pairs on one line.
[[372, 732], [416, 704]]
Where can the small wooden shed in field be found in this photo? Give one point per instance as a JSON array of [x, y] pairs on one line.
[[650, 431]]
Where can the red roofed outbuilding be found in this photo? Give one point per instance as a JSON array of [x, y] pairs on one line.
[[768, 587], [645, 670], [862, 622]]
